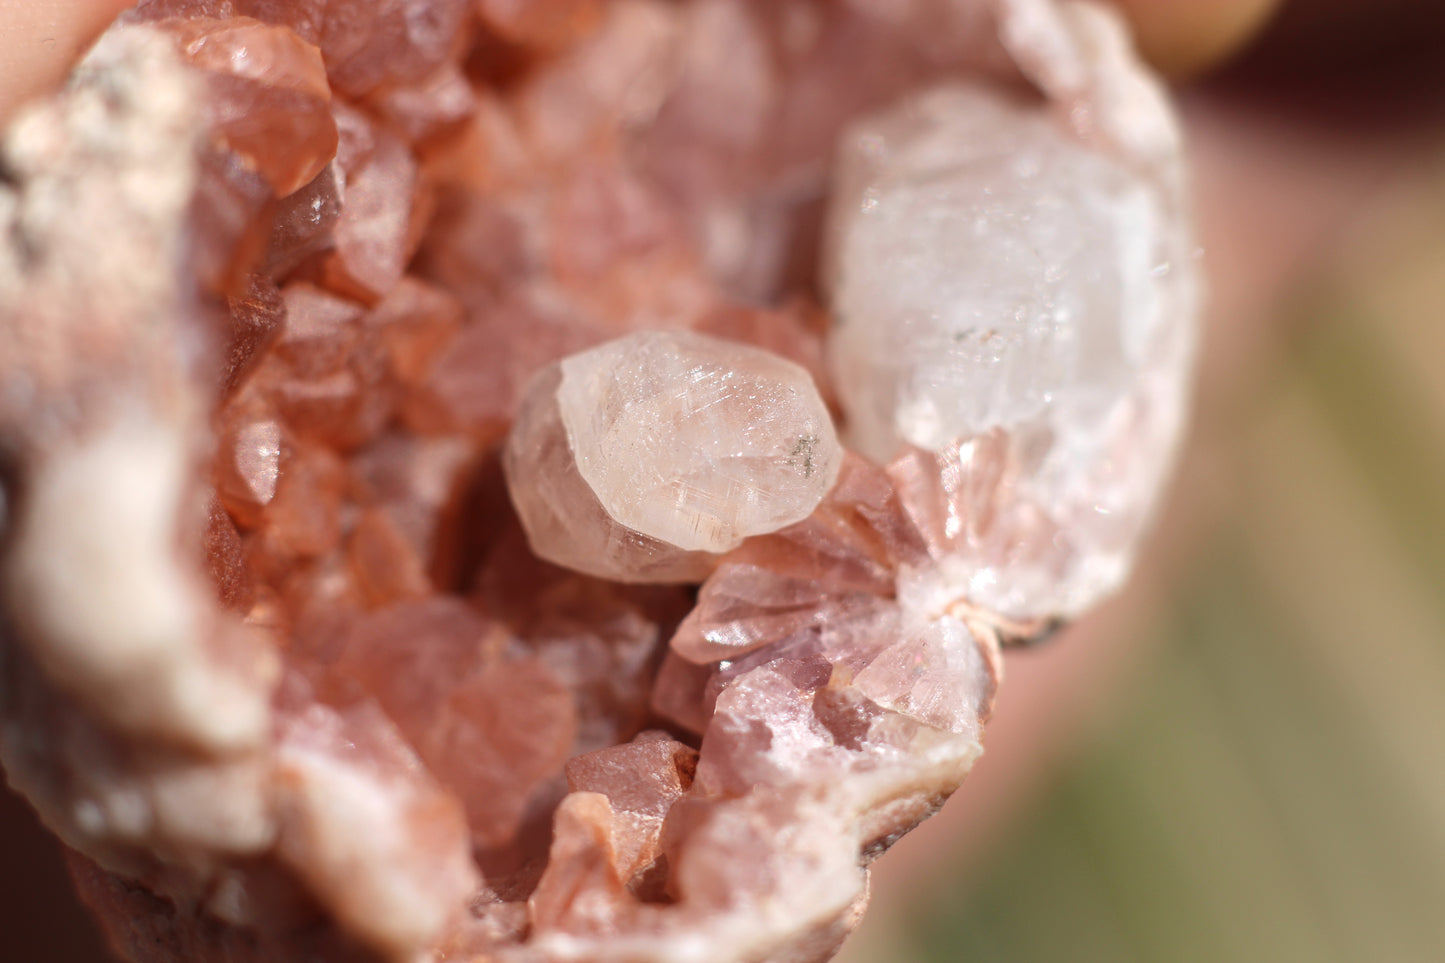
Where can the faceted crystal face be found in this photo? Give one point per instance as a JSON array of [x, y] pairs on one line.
[[1014, 319], [565, 522], [988, 269], [270, 97], [696, 441]]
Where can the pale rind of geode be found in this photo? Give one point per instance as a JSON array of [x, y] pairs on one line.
[[697, 441], [644, 458], [995, 277]]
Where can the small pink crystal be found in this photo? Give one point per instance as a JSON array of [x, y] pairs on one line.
[[367, 831], [269, 95]]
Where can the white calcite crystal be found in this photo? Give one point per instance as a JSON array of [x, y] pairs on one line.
[[644, 458], [1017, 304]]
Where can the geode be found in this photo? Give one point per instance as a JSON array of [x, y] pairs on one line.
[[541, 480]]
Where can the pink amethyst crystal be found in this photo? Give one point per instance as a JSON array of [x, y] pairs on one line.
[[423, 528]]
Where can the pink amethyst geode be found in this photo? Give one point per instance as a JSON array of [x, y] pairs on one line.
[[545, 480]]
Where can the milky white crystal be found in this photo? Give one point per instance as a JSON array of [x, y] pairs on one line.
[[697, 441], [995, 277], [643, 458]]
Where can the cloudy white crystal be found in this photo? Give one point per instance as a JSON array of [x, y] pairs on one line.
[[994, 275], [697, 441], [988, 269], [644, 458]]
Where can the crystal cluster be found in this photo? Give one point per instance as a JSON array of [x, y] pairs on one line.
[[423, 530]]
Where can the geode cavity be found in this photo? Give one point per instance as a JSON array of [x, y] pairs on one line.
[[282, 663]]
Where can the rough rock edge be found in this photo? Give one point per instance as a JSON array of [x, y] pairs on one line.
[[99, 411], [135, 715]]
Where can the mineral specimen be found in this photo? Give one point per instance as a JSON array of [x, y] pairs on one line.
[[370, 368]]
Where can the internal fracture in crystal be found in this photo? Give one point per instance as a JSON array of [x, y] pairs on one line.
[[683, 445]]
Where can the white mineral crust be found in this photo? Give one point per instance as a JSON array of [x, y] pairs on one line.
[[990, 272], [684, 446]]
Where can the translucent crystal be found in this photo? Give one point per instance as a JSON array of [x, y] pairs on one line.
[[690, 442], [1016, 302], [987, 267], [565, 522], [269, 96], [697, 441]]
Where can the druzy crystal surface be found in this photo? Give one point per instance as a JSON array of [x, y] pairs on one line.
[[424, 533]]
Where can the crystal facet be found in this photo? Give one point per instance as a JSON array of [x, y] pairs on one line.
[[690, 442], [1005, 293]]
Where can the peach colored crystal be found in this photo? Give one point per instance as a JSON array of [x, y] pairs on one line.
[[424, 533]]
